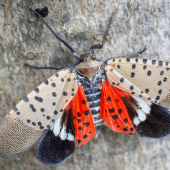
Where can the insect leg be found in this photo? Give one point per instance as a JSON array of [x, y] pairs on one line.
[[134, 55], [99, 46]]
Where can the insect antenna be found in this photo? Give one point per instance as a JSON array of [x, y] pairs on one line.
[[56, 68], [99, 46], [40, 13]]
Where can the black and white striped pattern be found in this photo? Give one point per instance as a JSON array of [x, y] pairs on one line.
[[93, 94]]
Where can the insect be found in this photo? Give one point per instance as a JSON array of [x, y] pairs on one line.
[[131, 95]]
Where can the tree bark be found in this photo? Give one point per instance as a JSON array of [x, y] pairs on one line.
[[24, 39]]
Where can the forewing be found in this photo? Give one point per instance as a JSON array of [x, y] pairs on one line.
[[148, 79], [72, 129], [24, 125], [143, 87]]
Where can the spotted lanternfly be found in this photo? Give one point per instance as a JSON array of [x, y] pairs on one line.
[[130, 94]]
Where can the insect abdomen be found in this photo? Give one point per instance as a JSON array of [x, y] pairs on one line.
[[93, 95]]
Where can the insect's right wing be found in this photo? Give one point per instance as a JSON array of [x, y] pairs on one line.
[[24, 125], [136, 93]]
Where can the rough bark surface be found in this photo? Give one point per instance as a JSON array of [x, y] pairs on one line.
[[24, 39]]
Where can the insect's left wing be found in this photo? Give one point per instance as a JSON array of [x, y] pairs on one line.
[[72, 129], [24, 125], [143, 88]]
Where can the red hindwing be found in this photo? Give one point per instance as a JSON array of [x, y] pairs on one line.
[[82, 118], [113, 109]]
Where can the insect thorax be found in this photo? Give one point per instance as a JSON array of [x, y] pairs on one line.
[[88, 68]]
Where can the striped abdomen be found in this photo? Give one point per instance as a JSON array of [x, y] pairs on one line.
[[93, 95]]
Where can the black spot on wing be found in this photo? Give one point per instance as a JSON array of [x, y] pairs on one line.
[[28, 121], [108, 99], [131, 87], [86, 112], [125, 129], [125, 120], [32, 107], [118, 66], [111, 110], [78, 114], [165, 79], [115, 117], [159, 83], [83, 102], [146, 90], [54, 94], [85, 136], [37, 90], [160, 91], [121, 79], [119, 111], [132, 74], [57, 75], [18, 113], [53, 85], [133, 66], [128, 59], [161, 73], [42, 109], [144, 67], [78, 141], [80, 128], [38, 99], [149, 73], [46, 82], [86, 124], [144, 61], [26, 99], [160, 63], [39, 123], [64, 93], [153, 62], [33, 123], [15, 109], [48, 117], [55, 112]]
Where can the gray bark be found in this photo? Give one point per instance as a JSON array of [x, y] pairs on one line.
[[24, 39]]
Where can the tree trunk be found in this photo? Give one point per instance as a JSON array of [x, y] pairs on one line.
[[24, 39]]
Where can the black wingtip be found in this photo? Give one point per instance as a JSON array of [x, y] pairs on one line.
[[52, 150], [157, 124]]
